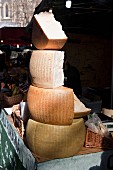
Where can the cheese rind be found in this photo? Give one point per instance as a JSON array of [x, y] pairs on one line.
[[47, 33], [54, 141], [46, 68], [51, 106]]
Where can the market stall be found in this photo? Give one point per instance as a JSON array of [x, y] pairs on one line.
[[60, 132]]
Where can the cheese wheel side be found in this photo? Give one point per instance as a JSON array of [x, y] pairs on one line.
[[53, 141], [51, 106], [46, 68]]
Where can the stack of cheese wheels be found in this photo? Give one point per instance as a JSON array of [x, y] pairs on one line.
[[51, 132]]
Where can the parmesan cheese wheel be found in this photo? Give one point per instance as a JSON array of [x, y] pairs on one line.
[[46, 68], [47, 33], [51, 106], [54, 141]]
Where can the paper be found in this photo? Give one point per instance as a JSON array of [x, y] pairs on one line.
[[8, 110]]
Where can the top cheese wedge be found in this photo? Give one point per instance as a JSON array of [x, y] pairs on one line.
[[47, 33]]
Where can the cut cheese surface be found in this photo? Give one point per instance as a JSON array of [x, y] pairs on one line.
[[54, 141], [51, 106], [47, 33], [46, 68], [80, 109]]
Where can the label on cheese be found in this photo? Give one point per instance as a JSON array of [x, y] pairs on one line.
[[54, 141], [46, 68], [51, 106], [47, 33]]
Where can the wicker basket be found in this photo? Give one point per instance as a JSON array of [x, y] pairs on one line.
[[94, 140], [10, 101]]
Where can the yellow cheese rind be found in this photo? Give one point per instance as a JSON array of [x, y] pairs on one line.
[[46, 68], [53, 141], [47, 33], [51, 106]]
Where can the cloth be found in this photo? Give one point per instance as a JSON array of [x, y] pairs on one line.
[[14, 155]]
